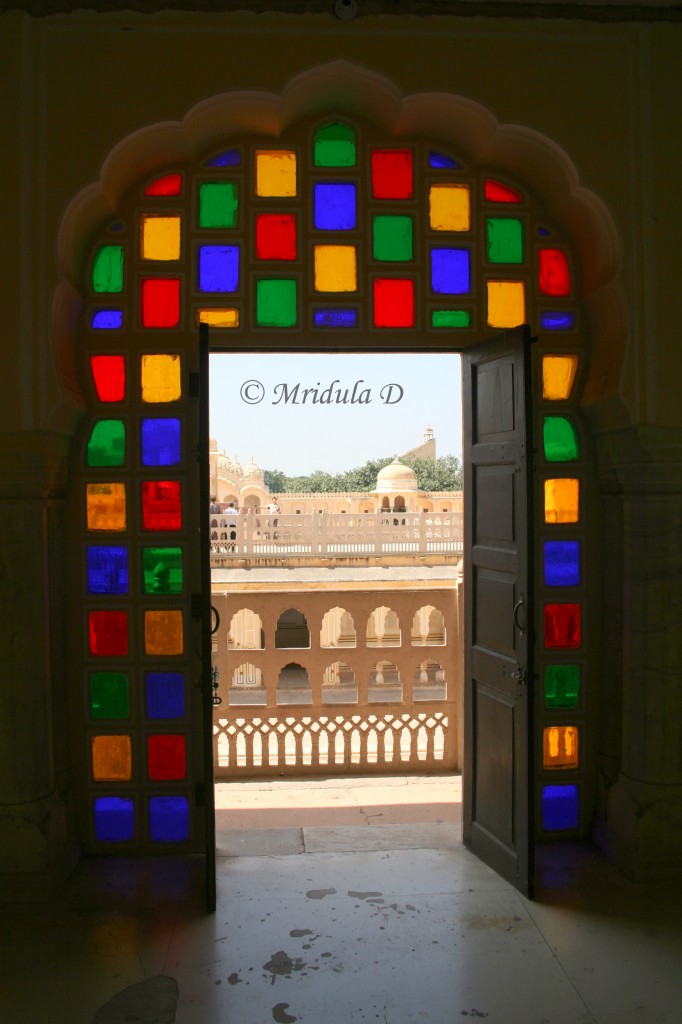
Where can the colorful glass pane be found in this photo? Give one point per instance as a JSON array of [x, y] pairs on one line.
[[392, 174], [276, 236], [562, 625], [562, 686], [562, 563], [163, 632], [106, 506], [558, 375], [114, 818], [450, 208], [334, 145], [393, 302], [107, 444], [450, 271], [160, 301], [392, 238], [228, 158], [161, 505], [107, 569], [168, 185], [553, 274], [276, 303], [160, 238], [450, 318], [334, 206], [218, 204], [442, 161], [169, 819], [560, 439], [222, 318], [275, 173], [559, 747], [335, 317], [109, 696], [109, 377], [162, 570], [160, 378], [506, 303], [108, 633], [504, 239], [165, 694], [166, 757], [335, 268], [218, 268], [560, 808], [106, 319], [111, 758], [496, 192], [562, 500], [107, 270], [160, 442], [557, 321]]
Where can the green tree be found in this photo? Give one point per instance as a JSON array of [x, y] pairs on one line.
[[275, 480]]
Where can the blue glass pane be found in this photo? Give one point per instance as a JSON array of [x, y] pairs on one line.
[[160, 442], [114, 819], [107, 319], [335, 207], [168, 819], [441, 160], [543, 232], [107, 569], [557, 321], [562, 563], [560, 807], [229, 158], [450, 274], [218, 268], [336, 317], [165, 694]]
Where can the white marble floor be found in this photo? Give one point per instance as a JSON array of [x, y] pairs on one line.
[[331, 924]]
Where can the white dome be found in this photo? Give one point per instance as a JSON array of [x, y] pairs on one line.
[[396, 478]]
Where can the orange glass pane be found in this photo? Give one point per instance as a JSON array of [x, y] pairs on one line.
[[228, 317], [275, 173], [335, 268], [449, 208], [106, 506], [111, 758], [160, 238], [558, 375], [560, 747], [163, 632], [160, 378], [562, 500], [506, 303]]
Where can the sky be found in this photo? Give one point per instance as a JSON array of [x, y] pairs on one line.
[[259, 407]]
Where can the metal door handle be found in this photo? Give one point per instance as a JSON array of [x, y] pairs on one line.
[[519, 604], [216, 627]]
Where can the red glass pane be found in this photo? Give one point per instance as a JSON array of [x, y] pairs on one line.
[[169, 185], [109, 377], [562, 625], [553, 274], [276, 236], [160, 301], [108, 633], [392, 173], [496, 192], [166, 757], [161, 505], [393, 302]]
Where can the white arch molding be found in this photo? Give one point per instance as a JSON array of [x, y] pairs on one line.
[[346, 88]]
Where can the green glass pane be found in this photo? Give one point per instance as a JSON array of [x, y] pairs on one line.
[[392, 238], [276, 303], [451, 318], [162, 570], [560, 439], [107, 444], [335, 146], [505, 240], [109, 695], [218, 204], [562, 686], [107, 272]]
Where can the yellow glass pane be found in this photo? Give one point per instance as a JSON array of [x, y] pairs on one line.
[[163, 632], [106, 506], [506, 303], [335, 268], [111, 758], [560, 746], [449, 208], [219, 317], [558, 374], [562, 500], [160, 238], [160, 378], [275, 172]]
